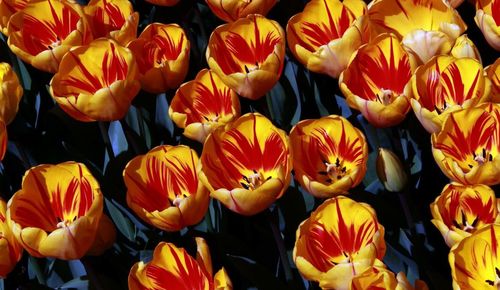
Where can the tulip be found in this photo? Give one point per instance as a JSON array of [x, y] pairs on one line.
[[330, 155], [163, 2], [7, 9], [375, 81], [466, 148], [379, 277], [10, 250], [246, 164], [464, 47], [461, 210], [162, 53], [96, 82], [104, 238], [341, 239], [202, 105], [390, 171], [3, 139], [488, 20], [10, 93], [56, 212], [325, 35], [114, 19], [42, 32], [163, 188], [232, 10], [248, 55], [474, 261], [426, 28], [444, 85], [174, 268], [493, 74]]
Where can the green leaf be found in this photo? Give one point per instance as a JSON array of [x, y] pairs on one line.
[[123, 224]]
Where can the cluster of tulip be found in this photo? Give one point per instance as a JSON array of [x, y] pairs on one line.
[[388, 56]]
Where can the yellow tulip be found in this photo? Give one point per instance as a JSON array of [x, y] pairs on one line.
[[493, 73], [10, 250], [464, 47], [246, 164], [390, 171], [202, 105], [488, 20], [7, 9], [10, 93], [330, 155], [104, 238], [232, 10], [379, 277]]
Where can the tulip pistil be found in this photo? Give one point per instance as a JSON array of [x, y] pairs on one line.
[[334, 170], [465, 224], [481, 158], [254, 180]]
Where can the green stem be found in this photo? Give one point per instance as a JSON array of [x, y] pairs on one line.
[[280, 243]]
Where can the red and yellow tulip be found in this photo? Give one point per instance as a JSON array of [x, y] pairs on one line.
[[467, 148], [426, 27], [114, 19], [375, 81], [162, 54], [248, 55], [325, 35], [163, 2], [104, 238], [174, 268], [475, 261], [202, 105], [461, 210], [7, 9], [493, 73], [232, 10], [42, 32], [10, 250], [96, 82], [464, 47], [341, 239], [446, 84], [379, 277], [10, 93], [246, 164], [57, 211], [488, 20], [330, 155], [163, 188]]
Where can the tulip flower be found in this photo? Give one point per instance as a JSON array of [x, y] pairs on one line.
[[114, 19], [379, 277], [7, 9], [104, 238], [475, 261], [232, 10], [56, 212], [330, 155], [248, 55], [426, 28], [341, 239], [10, 250], [96, 82], [174, 268], [163, 188], [464, 47], [325, 35], [10, 93], [488, 20], [375, 81], [446, 84], [42, 32], [390, 171], [467, 147], [162, 53], [461, 210], [202, 105], [163, 2], [493, 74], [247, 164], [3, 139]]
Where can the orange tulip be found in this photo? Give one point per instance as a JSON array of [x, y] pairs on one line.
[[96, 82], [10, 250], [56, 213], [10, 93], [330, 155], [163, 2], [162, 53], [42, 32], [375, 81], [488, 20], [174, 268], [461, 210], [115, 19], [446, 84], [379, 277], [232, 10], [163, 188], [202, 105], [246, 164], [475, 261], [7, 9], [341, 239], [248, 55], [325, 35], [104, 238], [467, 147], [426, 27], [464, 47], [493, 73]]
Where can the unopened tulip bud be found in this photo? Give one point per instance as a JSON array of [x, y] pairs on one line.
[[464, 47], [390, 171]]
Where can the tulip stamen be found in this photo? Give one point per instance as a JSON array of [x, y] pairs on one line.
[[482, 158], [334, 170], [254, 180], [497, 279]]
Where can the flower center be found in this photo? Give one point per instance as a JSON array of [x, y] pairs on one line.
[[335, 170], [250, 68], [497, 279], [481, 158], [385, 96], [214, 119], [65, 223], [254, 180], [55, 43]]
